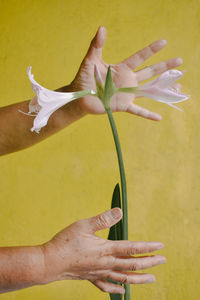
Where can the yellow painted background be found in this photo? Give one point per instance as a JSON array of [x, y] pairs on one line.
[[72, 174]]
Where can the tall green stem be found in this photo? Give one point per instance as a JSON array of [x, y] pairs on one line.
[[122, 174], [123, 187]]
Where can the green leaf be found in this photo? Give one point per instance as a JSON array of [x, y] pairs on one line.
[[115, 232], [109, 89]]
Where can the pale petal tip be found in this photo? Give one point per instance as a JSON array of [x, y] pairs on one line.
[[29, 69], [187, 97], [97, 75], [35, 129]]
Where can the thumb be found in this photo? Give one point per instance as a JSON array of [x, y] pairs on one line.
[[97, 43], [105, 220]]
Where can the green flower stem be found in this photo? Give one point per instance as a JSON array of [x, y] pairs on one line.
[[122, 175], [123, 187]]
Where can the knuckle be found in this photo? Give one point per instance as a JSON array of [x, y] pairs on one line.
[[129, 252], [134, 250], [107, 261], [112, 261], [134, 267], [124, 279], [103, 221]]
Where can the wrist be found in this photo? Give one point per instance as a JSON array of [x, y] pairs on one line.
[[35, 265], [51, 262], [20, 267]]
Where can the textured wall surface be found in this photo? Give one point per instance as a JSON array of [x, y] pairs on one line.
[[71, 175]]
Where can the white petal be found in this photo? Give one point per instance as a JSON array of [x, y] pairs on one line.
[[97, 76], [164, 80], [46, 96], [174, 106], [162, 95], [34, 107], [49, 101]]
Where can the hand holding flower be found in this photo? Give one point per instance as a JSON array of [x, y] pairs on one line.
[[123, 76], [19, 137]]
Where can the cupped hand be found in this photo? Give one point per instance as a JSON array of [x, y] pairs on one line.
[[123, 76], [77, 253]]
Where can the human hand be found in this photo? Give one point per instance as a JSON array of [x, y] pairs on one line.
[[77, 253], [123, 76]]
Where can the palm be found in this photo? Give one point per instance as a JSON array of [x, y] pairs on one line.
[[122, 74]]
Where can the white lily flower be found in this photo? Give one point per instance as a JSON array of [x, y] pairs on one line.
[[49, 101], [161, 89]]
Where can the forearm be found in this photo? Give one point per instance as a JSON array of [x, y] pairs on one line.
[[15, 127], [20, 267]]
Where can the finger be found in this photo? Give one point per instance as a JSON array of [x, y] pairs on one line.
[[156, 69], [137, 59], [143, 112], [108, 287], [135, 263], [97, 43], [104, 220], [132, 278], [126, 248]]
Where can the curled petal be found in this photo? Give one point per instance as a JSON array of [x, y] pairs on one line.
[[163, 88], [166, 79], [97, 76], [34, 107], [99, 82], [49, 101], [162, 95]]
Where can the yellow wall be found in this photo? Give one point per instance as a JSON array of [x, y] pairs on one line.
[[50, 185]]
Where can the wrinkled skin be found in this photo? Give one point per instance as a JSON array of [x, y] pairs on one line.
[[77, 253], [123, 75]]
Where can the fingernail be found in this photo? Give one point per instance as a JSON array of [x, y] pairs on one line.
[[162, 42], [158, 117], [159, 246], [161, 259], [116, 213], [150, 280], [101, 28], [179, 61]]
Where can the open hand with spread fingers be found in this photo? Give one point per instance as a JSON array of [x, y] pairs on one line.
[[77, 253], [123, 75]]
